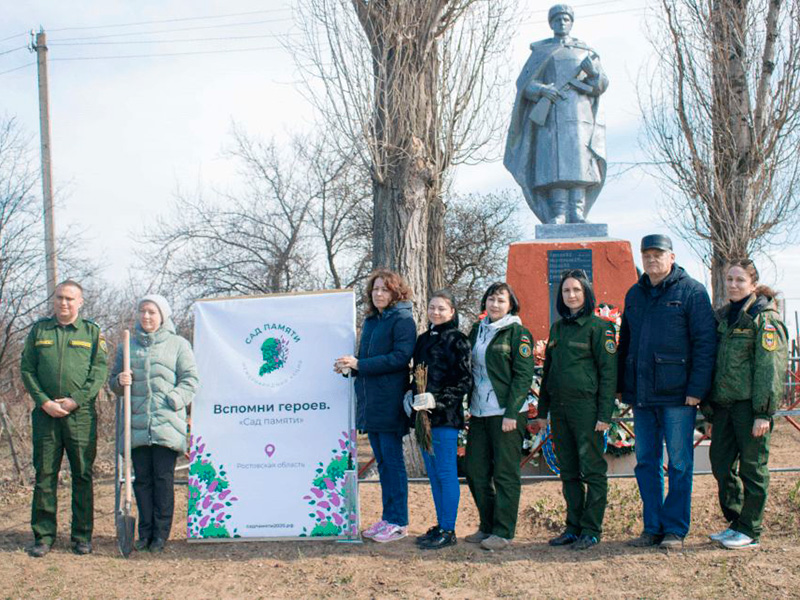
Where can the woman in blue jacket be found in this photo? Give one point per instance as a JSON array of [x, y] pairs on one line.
[[381, 370]]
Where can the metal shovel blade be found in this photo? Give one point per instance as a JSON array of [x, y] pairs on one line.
[[126, 532]]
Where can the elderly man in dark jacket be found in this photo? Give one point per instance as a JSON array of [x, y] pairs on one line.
[[666, 361]]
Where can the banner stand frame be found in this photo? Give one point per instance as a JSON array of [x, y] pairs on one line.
[[351, 474]]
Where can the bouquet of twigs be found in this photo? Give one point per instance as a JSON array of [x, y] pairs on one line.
[[422, 424]]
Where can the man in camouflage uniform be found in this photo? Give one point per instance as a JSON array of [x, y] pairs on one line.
[[64, 365]]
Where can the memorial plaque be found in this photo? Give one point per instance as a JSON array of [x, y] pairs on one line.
[[559, 261]]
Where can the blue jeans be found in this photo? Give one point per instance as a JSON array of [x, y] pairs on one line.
[[388, 451], [675, 426], [443, 474]]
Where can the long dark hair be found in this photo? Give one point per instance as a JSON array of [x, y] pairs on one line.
[[750, 268], [578, 275], [501, 286]]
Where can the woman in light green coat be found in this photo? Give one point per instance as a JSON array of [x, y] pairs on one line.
[[163, 380]]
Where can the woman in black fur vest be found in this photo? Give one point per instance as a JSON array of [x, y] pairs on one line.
[[445, 351]]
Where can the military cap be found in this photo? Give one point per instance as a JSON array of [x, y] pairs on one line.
[[560, 9], [656, 240]]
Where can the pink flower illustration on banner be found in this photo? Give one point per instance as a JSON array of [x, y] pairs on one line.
[[210, 498], [328, 493]]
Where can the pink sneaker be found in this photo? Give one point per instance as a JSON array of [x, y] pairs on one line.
[[374, 529], [390, 533]]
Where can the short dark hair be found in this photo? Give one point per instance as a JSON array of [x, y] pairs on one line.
[[501, 286], [447, 297], [589, 301], [71, 282]]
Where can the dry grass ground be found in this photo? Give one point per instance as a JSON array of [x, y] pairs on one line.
[[529, 569]]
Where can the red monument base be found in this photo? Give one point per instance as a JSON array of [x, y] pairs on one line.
[[535, 268]]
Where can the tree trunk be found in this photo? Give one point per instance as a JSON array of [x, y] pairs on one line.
[[733, 141], [718, 264], [400, 225], [406, 175], [436, 239]]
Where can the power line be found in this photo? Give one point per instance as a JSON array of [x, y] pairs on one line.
[[176, 20], [11, 37], [208, 39], [584, 5], [18, 68], [122, 56], [600, 14], [12, 50], [615, 12], [110, 35]]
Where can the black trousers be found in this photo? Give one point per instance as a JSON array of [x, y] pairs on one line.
[[154, 468]]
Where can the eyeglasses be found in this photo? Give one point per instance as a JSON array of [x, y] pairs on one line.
[[574, 273]]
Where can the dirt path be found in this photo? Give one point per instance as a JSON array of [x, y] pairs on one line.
[[328, 570]]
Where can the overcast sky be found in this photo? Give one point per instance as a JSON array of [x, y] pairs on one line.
[[128, 132]]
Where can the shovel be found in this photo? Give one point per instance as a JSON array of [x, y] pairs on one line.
[[126, 522]]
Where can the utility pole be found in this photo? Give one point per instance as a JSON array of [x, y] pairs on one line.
[[40, 47]]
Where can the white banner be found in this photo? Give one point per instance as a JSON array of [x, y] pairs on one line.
[[272, 452]]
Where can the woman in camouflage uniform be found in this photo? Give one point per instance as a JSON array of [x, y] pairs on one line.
[[748, 386], [577, 391]]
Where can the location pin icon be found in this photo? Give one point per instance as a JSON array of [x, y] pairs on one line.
[[269, 449]]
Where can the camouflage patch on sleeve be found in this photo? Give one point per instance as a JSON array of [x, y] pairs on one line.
[[524, 350], [610, 347]]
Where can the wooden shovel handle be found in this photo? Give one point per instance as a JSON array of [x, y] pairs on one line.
[[126, 398]]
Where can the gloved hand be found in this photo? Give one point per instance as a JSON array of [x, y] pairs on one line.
[[424, 401], [407, 400]]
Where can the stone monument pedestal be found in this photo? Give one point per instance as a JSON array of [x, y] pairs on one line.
[[535, 268]]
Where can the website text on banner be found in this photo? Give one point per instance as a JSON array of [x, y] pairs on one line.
[[272, 449]]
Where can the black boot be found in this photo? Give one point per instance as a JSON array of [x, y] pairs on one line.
[[442, 540], [431, 533], [564, 539]]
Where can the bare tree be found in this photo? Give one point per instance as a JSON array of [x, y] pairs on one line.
[[21, 257], [251, 244], [721, 116], [412, 85], [23, 292], [341, 213], [479, 228], [296, 206]]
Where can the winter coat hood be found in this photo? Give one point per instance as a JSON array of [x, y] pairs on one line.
[[164, 382]]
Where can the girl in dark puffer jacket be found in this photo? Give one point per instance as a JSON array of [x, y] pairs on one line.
[[446, 353]]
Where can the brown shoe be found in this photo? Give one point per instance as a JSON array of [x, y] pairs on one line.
[[645, 540], [494, 543], [477, 537]]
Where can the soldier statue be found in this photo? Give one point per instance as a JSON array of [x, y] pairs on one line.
[[556, 145]]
